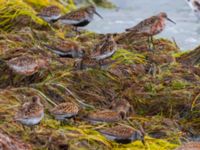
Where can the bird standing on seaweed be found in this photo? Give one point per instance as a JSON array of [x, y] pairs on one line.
[[105, 49], [151, 26], [103, 116], [30, 113], [50, 14], [80, 17], [65, 111], [122, 134], [66, 48]]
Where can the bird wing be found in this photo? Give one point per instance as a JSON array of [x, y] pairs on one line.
[[103, 48], [65, 108], [74, 15], [121, 133], [31, 110], [144, 26], [107, 47], [49, 12]]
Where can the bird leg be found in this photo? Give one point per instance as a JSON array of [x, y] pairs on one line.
[[73, 120], [61, 123], [100, 63], [32, 129], [24, 128], [11, 77], [77, 30], [150, 43], [143, 141], [151, 40]]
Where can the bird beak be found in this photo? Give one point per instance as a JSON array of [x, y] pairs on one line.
[[171, 20], [98, 14]]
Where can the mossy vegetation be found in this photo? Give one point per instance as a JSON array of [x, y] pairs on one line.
[[100, 3], [164, 92], [104, 3]]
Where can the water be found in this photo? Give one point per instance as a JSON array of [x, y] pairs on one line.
[[186, 32]]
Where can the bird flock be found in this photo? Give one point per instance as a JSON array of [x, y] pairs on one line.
[[32, 112]]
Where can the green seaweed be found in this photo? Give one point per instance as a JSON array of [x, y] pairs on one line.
[[163, 94]]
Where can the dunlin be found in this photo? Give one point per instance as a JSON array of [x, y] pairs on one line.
[[123, 107], [80, 17], [50, 14], [26, 65], [105, 49], [31, 113], [151, 26], [65, 111], [103, 116], [66, 48], [195, 6], [190, 146], [122, 134]]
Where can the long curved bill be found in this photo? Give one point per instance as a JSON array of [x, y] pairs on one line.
[[171, 20], [98, 14]]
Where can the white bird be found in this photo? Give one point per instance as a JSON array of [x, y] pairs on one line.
[[195, 6]]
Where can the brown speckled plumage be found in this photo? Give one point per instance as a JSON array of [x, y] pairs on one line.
[[122, 134], [105, 49], [150, 26], [30, 112], [104, 116], [66, 110], [30, 109], [78, 14], [26, 65], [122, 106], [50, 11], [80, 17], [119, 132], [67, 48]]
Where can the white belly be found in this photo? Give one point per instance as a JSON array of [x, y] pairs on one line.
[[69, 22], [49, 19], [63, 117], [62, 53], [31, 121], [105, 55]]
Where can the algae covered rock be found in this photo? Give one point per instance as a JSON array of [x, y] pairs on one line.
[[162, 90]]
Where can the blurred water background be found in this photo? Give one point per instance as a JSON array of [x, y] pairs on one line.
[[186, 32]]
